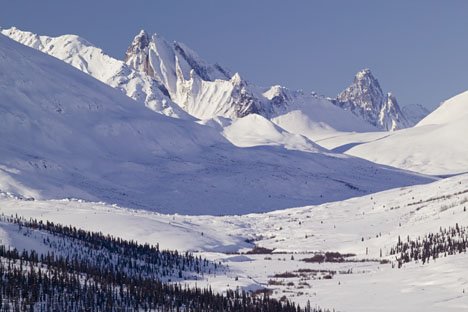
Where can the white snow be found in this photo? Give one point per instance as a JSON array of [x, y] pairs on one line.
[[78, 152], [65, 134], [340, 226], [255, 130], [83, 55], [437, 145]]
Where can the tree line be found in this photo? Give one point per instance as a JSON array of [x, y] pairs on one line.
[[448, 241], [96, 272]]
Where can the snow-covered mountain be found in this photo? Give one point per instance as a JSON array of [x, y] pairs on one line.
[[313, 116], [206, 91], [172, 79], [436, 145], [203, 90], [169, 62], [93, 61], [365, 98], [65, 134]]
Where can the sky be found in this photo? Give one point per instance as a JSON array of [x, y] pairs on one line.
[[417, 49]]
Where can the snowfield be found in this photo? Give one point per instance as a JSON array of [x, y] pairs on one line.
[[437, 145], [362, 226]]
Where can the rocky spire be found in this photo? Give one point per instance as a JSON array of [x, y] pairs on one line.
[[137, 55], [366, 99], [365, 92], [139, 44]]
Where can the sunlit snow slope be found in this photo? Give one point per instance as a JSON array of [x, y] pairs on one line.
[[437, 145], [80, 53], [65, 134]]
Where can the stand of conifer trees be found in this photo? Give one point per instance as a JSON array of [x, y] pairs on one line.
[[124, 278], [448, 241]]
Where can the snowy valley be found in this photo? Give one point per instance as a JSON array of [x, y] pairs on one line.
[[161, 182]]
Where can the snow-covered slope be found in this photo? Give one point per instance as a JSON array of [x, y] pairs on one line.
[[366, 99], [367, 226], [436, 145], [93, 61], [255, 130], [453, 110], [310, 115], [65, 134]]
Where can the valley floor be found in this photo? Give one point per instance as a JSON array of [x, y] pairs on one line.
[[367, 227]]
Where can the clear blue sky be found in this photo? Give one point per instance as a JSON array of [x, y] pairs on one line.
[[417, 49]]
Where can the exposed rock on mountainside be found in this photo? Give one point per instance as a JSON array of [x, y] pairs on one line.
[[366, 99]]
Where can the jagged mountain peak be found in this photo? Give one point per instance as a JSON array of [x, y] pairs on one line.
[[365, 91], [92, 60], [365, 98], [141, 40], [236, 79], [170, 63], [365, 81], [363, 74]]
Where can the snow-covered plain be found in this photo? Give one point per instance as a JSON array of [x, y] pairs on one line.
[[363, 226]]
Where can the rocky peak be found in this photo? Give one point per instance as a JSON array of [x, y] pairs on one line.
[[391, 117], [137, 55], [365, 98], [139, 44], [365, 92], [279, 97]]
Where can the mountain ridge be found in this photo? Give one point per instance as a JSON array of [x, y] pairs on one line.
[[174, 80]]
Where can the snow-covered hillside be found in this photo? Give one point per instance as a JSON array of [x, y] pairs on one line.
[[93, 61], [367, 226], [437, 145], [255, 130], [65, 134]]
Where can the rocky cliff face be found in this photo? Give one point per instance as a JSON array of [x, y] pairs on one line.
[[366, 99], [166, 61], [201, 89]]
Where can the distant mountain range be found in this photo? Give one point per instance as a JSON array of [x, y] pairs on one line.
[[172, 79]]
